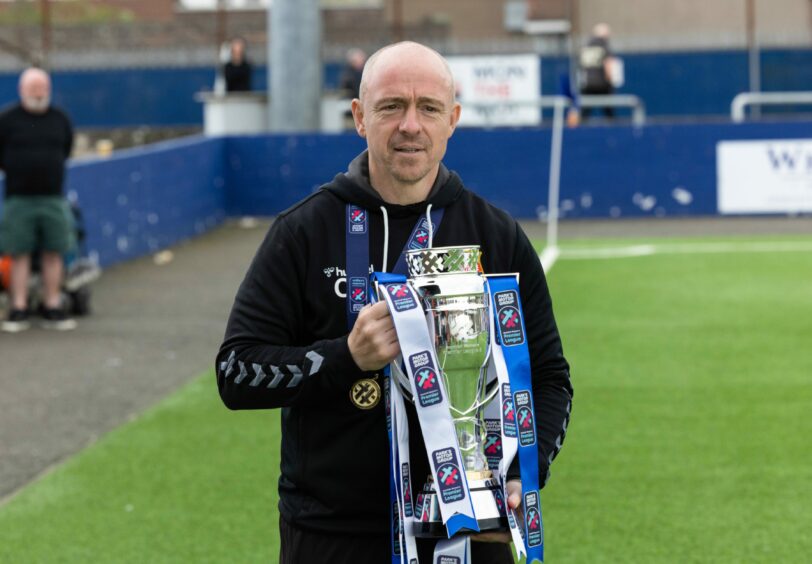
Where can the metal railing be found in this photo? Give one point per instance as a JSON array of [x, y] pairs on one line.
[[617, 101], [741, 101], [637, 106]]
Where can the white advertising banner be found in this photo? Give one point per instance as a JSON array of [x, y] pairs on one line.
[[767, 176], [487, 85]]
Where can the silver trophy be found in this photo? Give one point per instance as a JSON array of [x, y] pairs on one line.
[[458, 316]]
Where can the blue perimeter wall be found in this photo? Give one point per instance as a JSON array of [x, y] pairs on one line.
[[670, 84], [619, 171], [142, 200]]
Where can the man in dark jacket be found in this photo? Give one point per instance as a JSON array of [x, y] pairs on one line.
[[238, 70], [596, 62], [35, 141], [287, 343]]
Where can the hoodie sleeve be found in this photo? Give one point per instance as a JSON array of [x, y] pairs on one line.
[[262, 363], [552, 390]]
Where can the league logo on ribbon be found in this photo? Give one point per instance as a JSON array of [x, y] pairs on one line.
[[425, 512], [508, 412], [407, 490], [402, 297], [448, 475], [532, 518], [418, 506], [358, 293], [524, 415], [426, 379], [357, 220], [512, 521], [493, 443], [395, 529], [500, 500], [510, 320], [387, 407], [420, 237]]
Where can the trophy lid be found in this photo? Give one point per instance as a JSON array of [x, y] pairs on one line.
[[443, 260]]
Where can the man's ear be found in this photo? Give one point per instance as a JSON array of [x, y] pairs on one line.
[[358, 117], [455, 115]]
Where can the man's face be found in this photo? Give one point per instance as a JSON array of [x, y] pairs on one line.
[[237, 51], [407, 116], [35, 93]]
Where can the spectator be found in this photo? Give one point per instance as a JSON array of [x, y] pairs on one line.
[[287, 343], [35, 141], [238, 68], [350, 82], [598, 67]]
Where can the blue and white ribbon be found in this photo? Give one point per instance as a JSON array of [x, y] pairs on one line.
[[431, 403], [518, 413]]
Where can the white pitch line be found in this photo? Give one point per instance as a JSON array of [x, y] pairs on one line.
[[609, 252], [548, 257], [684, 248]]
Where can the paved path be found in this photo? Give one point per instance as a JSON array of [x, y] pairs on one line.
[[153, 328], [156, 327]]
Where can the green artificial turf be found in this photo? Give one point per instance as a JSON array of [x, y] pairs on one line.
[[691, 425], [689, 441], [189, 481]]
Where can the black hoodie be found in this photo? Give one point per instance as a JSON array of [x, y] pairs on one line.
[[286, 345]]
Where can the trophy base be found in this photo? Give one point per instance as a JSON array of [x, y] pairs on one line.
[[486, 497]]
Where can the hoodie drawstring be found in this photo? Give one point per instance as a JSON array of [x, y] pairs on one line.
[[386, 233], [385, 238], [431, 226]]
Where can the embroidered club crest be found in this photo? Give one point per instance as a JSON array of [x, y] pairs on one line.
[[365, 393]]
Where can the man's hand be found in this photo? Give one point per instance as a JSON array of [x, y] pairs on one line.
[[514, 491], [373, 342]]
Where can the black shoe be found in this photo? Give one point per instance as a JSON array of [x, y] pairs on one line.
[[16, 321], [57, 320]]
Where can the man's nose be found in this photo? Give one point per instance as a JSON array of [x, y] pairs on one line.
[[410, 123]]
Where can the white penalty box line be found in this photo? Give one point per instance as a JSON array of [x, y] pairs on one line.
[[550, 255]]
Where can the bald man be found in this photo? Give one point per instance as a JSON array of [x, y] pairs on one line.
[[35, 141], [298, 339]]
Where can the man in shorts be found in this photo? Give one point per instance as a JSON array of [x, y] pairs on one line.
[[35, 141]]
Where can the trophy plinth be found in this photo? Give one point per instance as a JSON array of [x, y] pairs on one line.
[[458, 316], [486, 497]]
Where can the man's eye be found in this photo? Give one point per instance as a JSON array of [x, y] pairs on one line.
[[390, 107], [431, 109]]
